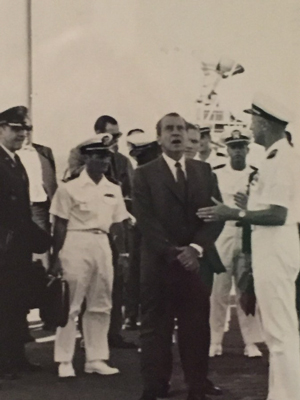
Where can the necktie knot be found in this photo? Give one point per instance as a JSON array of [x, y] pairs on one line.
[[178, 165]]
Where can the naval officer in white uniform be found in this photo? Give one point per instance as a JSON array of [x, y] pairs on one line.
[[273, 212], [85, 210]]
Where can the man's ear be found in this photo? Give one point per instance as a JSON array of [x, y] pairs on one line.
[[158, 137]]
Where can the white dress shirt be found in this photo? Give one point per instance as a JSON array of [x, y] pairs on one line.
[[31, 161], [171, 164]]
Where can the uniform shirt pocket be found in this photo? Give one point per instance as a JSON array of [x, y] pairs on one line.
[[110, 199], [83, 210]]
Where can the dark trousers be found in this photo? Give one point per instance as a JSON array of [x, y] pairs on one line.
[[40, 215], [298, 296], [184, 295], [132, 281], [13, 312], [116, 316]]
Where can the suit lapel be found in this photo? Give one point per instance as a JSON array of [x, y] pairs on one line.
[[15, 168], [195, 182], [6, 159], [169, 180]]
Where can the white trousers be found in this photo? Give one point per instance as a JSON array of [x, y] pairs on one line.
[[276, 261], [229, 246], [87, 266]]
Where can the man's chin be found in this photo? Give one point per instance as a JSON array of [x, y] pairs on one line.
[[189, 154]]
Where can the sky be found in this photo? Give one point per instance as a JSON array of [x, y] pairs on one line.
[[139, 59]]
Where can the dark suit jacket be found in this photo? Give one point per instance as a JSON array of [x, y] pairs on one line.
[[164, 219], [15, 212], [48, 169], [122, 172]]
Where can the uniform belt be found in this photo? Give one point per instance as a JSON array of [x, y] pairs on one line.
[[96, 231]]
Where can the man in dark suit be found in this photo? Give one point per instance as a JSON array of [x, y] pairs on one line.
[[178, 259], [143, 148], [48, 169], [15, 246], [121, 170]]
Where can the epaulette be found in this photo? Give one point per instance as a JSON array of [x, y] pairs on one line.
[[272, 154], [219, 166], [220, 154], [69, 177], [254, 168]]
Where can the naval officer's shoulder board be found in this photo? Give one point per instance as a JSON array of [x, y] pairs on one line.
[[219, 167], [272, 154]]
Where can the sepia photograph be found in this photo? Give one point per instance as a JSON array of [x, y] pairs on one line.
[[150, 200]]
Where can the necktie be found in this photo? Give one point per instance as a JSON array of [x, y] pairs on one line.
[[181, 181]]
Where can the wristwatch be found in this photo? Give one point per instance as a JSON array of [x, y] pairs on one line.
[[242, 214]]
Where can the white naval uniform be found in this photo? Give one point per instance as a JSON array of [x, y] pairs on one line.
[[229, 246], [276, 261], [87, 261]]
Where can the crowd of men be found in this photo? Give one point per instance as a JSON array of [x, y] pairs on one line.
[[165, 233]]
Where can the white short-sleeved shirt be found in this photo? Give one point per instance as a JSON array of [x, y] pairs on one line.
[[87, 205], [256, 154], [277, 182]]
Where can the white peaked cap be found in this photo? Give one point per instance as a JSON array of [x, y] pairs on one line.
[[269, 108]]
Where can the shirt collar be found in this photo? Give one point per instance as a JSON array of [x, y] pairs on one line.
[[171, 163], [277, 145], [85, 180], [28, 147], [10, 153]]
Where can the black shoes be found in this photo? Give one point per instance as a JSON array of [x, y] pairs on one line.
[[130, 324], [27, 366], [148, 396], [10, 373], [197, 396], [211, 389], [162, 392], [119, 343]]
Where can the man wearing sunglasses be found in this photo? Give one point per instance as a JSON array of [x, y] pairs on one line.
[[15, 251]]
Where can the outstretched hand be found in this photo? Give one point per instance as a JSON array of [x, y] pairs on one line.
[[219, 212]]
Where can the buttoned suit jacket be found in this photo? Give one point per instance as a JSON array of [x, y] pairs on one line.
[[166, 220], [48, 169], [15, 212]]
